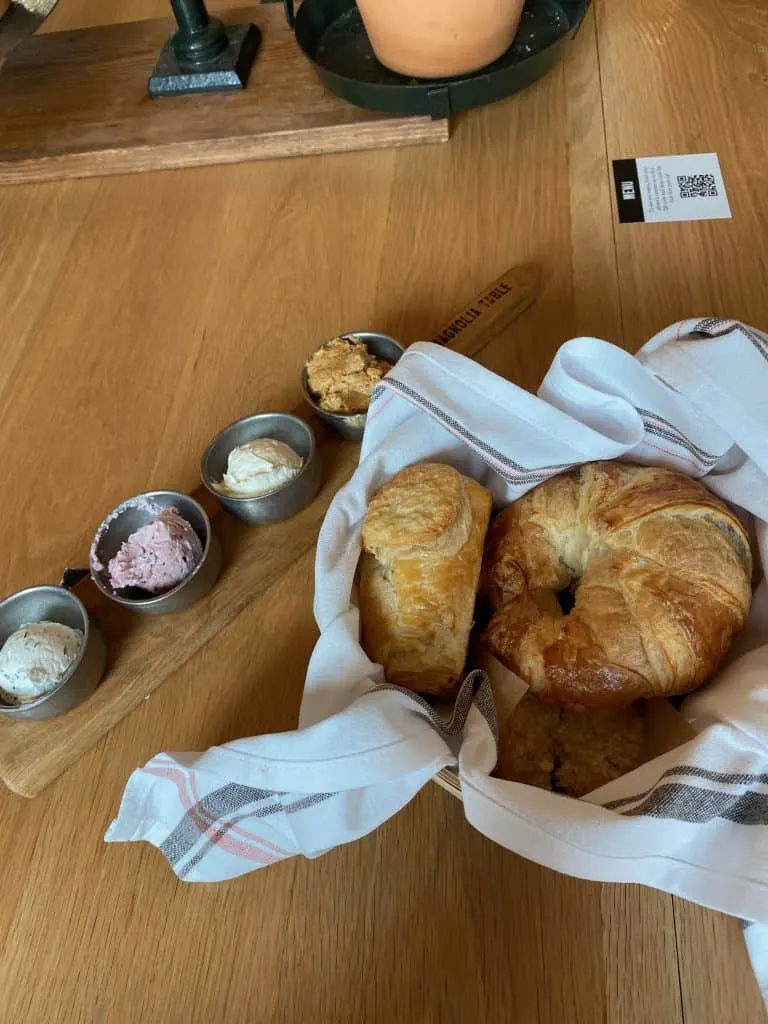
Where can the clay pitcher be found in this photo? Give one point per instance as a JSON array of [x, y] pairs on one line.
[[439, 38]]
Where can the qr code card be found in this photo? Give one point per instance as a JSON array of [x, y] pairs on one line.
[[666, 188]]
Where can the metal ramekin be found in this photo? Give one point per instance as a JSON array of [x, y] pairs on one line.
[[55, 604], [352, 427], [284, 501], [129, 517]]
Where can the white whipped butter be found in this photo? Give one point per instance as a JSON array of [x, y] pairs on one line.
[[258, 467]]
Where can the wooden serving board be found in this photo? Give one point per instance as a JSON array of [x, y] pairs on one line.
[[74, 105], [144, 651]]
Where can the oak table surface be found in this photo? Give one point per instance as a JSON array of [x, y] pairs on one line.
[[139, 314]]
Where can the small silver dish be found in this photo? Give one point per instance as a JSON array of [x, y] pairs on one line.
[[283, 502], [351, 427], [131, 516], [55, 604]]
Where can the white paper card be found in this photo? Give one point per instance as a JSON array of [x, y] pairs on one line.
[[671, 188]]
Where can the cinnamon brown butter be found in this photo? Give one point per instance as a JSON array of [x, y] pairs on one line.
[[342, 374]]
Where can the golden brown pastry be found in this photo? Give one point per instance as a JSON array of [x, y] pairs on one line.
[[569, 751], [527, 742], [422, 550], [593, 748], [661, 574]]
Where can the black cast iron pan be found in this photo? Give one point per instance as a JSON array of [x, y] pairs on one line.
[[332, 35]]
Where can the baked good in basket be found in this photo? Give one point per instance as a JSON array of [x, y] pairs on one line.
[[659, 572], [572, 751], [423, 539]]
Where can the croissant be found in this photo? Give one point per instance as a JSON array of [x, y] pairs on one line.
[[656, 568]]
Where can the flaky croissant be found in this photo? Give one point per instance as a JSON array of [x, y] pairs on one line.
[[661, 573]]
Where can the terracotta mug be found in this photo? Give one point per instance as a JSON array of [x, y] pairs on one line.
[[440, 38]]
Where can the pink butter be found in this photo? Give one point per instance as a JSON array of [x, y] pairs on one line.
[[158, 556]]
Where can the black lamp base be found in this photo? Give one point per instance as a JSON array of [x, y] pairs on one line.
[[229, 70]]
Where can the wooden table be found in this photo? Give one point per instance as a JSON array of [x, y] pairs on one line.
[[141, 313]]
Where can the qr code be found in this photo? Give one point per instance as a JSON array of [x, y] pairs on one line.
[[697, 186]]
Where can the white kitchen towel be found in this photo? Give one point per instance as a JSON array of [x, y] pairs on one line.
[[693, 822]]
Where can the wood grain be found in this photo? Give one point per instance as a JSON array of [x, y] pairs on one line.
[[142, 313], [667, 87], [656, 103], [705, 978], [75, 105], [144, 651]]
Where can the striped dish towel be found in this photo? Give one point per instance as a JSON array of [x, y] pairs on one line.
[[693, 822]]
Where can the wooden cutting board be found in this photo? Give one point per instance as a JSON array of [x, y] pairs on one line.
[[144, 651], [74, 104]]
